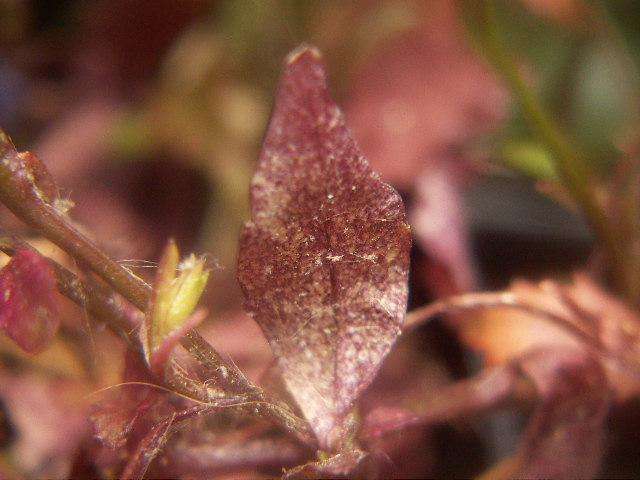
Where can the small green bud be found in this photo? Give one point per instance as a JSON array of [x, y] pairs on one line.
[[176, 294]]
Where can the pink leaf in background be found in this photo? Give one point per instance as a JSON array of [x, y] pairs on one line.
[[29, 300], [565, 434], [439, 226], [421, 96], [48, 424], [324, 262]]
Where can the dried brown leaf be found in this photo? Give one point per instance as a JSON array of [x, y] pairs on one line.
[[580, 314]]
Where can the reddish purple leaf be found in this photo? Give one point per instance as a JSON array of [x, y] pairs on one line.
[[564, 437], [324, 261], [151, 445], [29, 300], [113, 421]]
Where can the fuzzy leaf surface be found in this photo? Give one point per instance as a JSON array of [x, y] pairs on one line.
[[324, 260]]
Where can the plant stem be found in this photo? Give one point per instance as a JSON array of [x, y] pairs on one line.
[[568, 162], [238, 384], [23, 196], [26, 189]]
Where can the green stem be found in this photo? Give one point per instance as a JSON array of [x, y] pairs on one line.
[[568, 162]]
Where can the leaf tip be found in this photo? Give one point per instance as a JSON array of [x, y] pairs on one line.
[[304, 50]]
